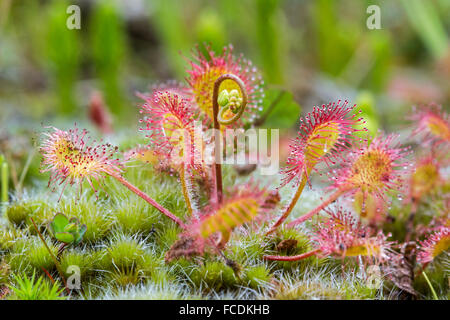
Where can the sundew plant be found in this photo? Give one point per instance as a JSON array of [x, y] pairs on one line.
[[199, 188]]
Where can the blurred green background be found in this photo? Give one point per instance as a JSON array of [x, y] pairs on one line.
[[317, 51]]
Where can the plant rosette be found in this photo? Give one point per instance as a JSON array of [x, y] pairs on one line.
[[67, 231]]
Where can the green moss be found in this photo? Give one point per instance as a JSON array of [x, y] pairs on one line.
[[161, 187], [257, 276], [92, 212], [19, 213], [303, 243], [181, 267], [173, 201], [29, 254], [302, 291], [323, 283], [130, 262], [135, 217], [153, 269], [125, 261], [83, 259], [303, 246], [160, 276], [35, 288], [40, 257], [123, 253], [246, 248], [213, 275], [8, 238], [122, 278], [96, 286], [4, 273], [150, 291], [167, 236]]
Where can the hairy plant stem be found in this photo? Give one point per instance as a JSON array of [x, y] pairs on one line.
[[291, 205], [184, 188], [333, 197], [144, 196], [217, 130], [58, 266], [61, 249], [48, 275], [292, 258]]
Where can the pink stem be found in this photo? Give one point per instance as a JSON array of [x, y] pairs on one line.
[[144, 196], [290, 207], [57, 264], [315, 211], [292, 258], [184, 188], [217, 135]]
